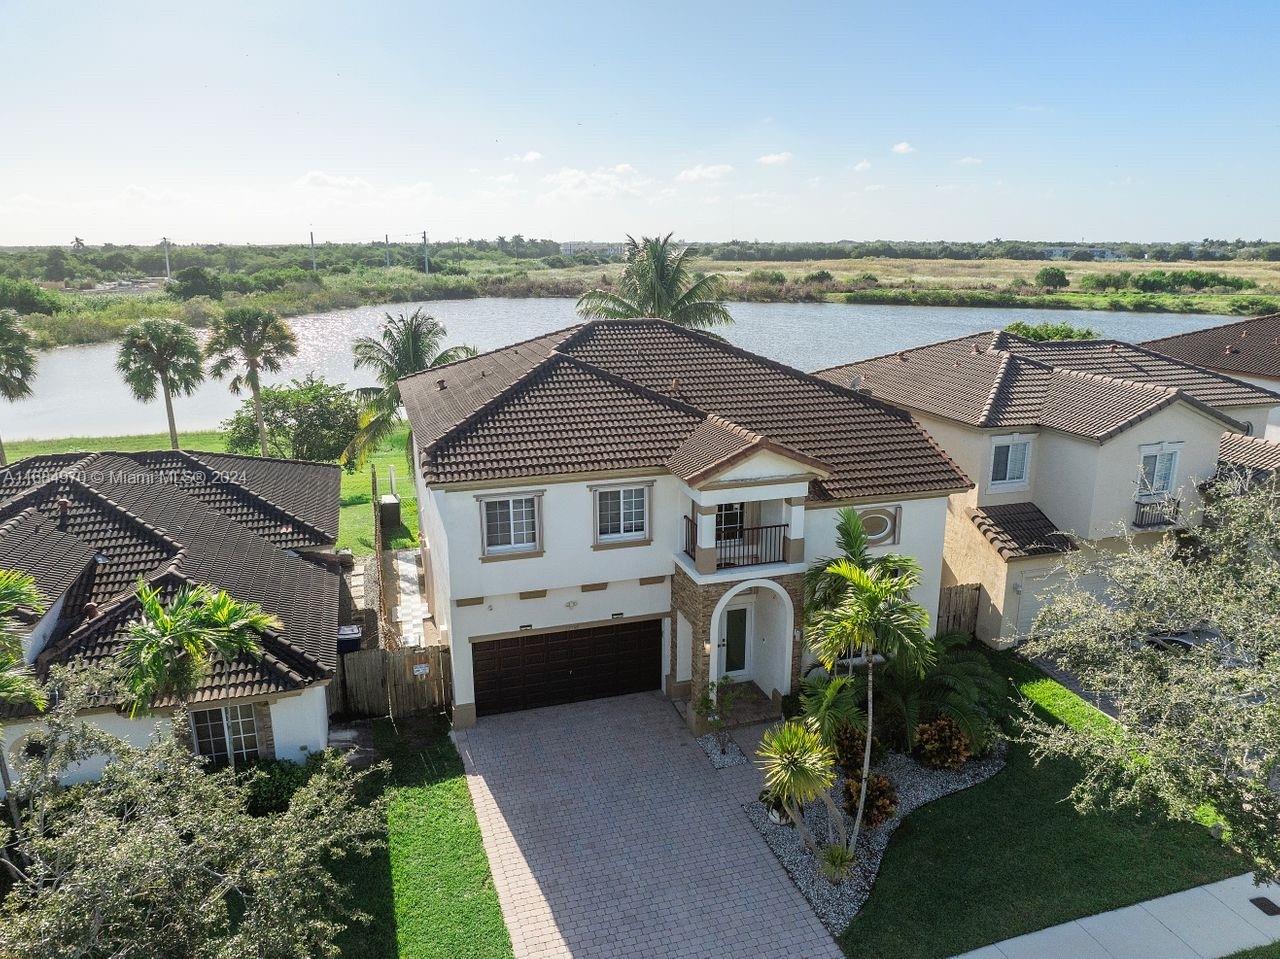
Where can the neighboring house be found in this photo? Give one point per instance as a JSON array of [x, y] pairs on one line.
[[629, 505], [1248, 350], [87, 527], [1248, 458], [1068, 441]]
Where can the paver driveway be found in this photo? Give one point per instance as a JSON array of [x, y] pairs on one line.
[[609, 834]]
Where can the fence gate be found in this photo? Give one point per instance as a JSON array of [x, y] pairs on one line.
[[958, 608], [392, 682]]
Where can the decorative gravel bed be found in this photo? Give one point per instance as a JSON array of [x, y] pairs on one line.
[[733, 756], [916, 785]]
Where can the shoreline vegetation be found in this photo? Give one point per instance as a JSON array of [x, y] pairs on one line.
[[61, 316]]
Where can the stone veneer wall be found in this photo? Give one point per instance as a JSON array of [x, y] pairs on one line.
[[697, 602]]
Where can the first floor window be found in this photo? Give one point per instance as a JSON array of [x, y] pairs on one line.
[[226, 736], [730, 519], [510, 524], [1159, 464], [1009, 461], [622, 513]]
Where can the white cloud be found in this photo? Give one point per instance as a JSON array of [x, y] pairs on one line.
[[862, 166], [874, 187], [330, 188], [775, 159], [505, 178], [603, 183], [323, 182], [903, 147], [532, 156], [970, 161], [702, 171]]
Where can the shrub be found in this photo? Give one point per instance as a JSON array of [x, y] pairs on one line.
[[772, 277], [882, 799], [1050, 331], [1051, 278], [942, 744], [834, 861], [271, 783], [850, 745], [791, 707], [819, 276]]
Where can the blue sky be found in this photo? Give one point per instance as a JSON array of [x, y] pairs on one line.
[[261, 121]]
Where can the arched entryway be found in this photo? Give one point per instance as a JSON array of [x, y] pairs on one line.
[[752, 631]]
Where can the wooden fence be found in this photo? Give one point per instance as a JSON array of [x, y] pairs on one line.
[[391, 682], [958, 608]]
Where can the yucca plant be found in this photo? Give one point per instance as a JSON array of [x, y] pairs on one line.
[[170, 648], [834, 862], [798, 768], [18, 685]]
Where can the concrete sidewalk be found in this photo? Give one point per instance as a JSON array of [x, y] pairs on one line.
[[1207, 922]]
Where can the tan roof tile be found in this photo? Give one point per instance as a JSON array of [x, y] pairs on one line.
[[1250, 347], [1019, 530]]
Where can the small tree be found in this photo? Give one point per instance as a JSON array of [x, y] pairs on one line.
[[798, 767], [160, 356], [1184, 643], [195, 281], [714, 706], [309, 419], [162, 857], [1052, 278]]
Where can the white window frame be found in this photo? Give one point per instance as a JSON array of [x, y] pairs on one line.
[[234, 737], [1171, 450], [893, 516], [500, 549], [1010, 440], [623, 536]]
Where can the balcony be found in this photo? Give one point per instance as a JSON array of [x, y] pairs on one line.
[[741, 546], [1156, 513]]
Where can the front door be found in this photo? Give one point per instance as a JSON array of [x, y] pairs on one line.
[[734, 643]]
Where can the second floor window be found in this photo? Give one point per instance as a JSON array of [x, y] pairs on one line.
[[510, 524], [1158, 467], [1009, 462], [622, 513], [730, 519]]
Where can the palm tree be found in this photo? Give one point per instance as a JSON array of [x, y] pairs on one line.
[[822, 588], [169, 649], [798, 768], [877, 616], [256, 340], [830, 705], [658, 281], [18, 686], [164, 354], [17, 362], [406, 345]]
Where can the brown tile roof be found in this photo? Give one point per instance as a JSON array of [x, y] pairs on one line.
[[1250, 347], [1249, 452], [1019, 530], [991, 381], [717, 443], [534, 408], [92, 543]]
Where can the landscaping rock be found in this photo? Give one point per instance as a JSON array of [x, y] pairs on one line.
[[836, 905], [733, 756]]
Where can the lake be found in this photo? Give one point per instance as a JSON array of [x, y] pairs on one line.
[[77, 391]]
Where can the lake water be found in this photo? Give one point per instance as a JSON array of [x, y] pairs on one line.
[[77, 391]]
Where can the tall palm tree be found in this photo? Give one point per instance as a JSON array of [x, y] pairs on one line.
[[17, 362], [825, 590], [658, 281], [876, 615], [164, 355], [170, 648], [255, 340], [18, 686], [406, 345]]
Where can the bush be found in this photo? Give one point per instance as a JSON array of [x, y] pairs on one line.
[[851, 744], [1050, 331], [1051, 278], [772, 277], [24, 296], [882, 799], [195, 281], [271, 783], [942, 744], [818, 276], [557, 261], [835, 861], [791, 707]]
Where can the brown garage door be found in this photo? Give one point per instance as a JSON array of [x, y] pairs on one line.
[[568, 667]]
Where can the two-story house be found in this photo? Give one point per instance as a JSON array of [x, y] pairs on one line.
[[629, 505], [1066, 441]]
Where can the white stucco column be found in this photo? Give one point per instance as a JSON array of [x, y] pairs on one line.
[[795, 518]]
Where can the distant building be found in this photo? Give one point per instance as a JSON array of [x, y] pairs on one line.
[[592, 246], [1099, 252]]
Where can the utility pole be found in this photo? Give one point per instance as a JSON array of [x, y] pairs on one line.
[[386, 242], [426, 255], [166, 258], [313, 252]]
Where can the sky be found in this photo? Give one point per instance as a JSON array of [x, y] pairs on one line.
[[261, 122]]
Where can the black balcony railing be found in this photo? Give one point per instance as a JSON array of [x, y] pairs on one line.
[[753, 546], [690, 537], [1149, 514]]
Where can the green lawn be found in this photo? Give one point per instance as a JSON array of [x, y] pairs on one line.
[[1262, 952], [430, 893], [355, 522], [1010, 856]]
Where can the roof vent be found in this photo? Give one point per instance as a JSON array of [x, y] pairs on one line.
[[901, 357], [440, 384], [101, 558], [975, 349], [64, 509], [483, 374], [675, 385], [91, 610], [1231, 349], [1113, 348]]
